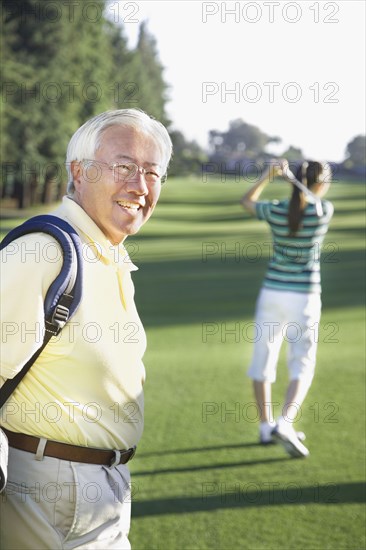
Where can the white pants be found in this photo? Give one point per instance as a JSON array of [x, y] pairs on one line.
[[53, 504], [290, 316]]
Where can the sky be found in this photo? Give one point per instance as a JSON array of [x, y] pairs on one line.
[[293, 69]]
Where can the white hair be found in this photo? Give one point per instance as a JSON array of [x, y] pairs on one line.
[[86, 140]]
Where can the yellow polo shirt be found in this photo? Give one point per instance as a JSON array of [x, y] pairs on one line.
[[86, 386]]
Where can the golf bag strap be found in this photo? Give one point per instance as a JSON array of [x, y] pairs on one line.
[[11, 383], [61, 302], [72, 266]]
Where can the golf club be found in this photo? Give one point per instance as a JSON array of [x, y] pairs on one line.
[[310, 196]]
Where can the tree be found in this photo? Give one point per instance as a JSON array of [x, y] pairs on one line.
[[51, 54], [30, 77], [240, 140], [356, 153], [188, 156], [63, 63], [140, 77], [293, 154], [58, 73], [124, 92]]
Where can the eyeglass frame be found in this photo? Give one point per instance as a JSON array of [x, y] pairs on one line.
[[161, 179]]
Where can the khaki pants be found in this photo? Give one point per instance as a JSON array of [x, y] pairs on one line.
[[53, 504]]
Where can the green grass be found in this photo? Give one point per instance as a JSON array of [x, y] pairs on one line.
[[200, 480]]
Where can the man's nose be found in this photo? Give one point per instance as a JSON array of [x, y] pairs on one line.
[[137, 183]]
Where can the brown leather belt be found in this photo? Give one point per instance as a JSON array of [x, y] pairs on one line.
[[64, 451]]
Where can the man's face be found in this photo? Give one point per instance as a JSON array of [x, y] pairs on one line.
[[118, 207]]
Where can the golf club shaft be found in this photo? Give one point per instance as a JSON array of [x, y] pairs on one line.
[[311, 197]]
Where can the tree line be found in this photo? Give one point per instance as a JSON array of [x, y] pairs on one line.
[[243, 147], [65, 61]]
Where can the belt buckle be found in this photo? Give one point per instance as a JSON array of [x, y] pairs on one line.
[[133, 452], [116, 460]]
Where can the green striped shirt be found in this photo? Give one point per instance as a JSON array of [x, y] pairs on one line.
[[295, 261]]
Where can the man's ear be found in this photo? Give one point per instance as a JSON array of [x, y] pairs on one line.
[[76, 171]]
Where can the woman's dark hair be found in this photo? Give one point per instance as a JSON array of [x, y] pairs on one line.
[[308, 174]]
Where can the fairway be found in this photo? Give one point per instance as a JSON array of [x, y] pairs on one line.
[[199, 479]]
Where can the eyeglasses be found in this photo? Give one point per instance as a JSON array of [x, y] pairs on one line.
[[127, 170]]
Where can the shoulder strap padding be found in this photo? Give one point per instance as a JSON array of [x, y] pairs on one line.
[[64, 295], [72, 266]]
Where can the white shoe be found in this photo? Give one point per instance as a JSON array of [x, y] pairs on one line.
[[290, 441], [265, 433]]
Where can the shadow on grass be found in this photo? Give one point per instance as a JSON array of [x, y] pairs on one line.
[[203, 467], [217, 496], [197, 449], [194, 291], [344, 211]]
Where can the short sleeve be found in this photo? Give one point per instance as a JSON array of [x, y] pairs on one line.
[[328, 210], [263, 209], [28, 267]]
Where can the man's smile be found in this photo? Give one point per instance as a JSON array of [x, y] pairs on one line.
[[133, 206]]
